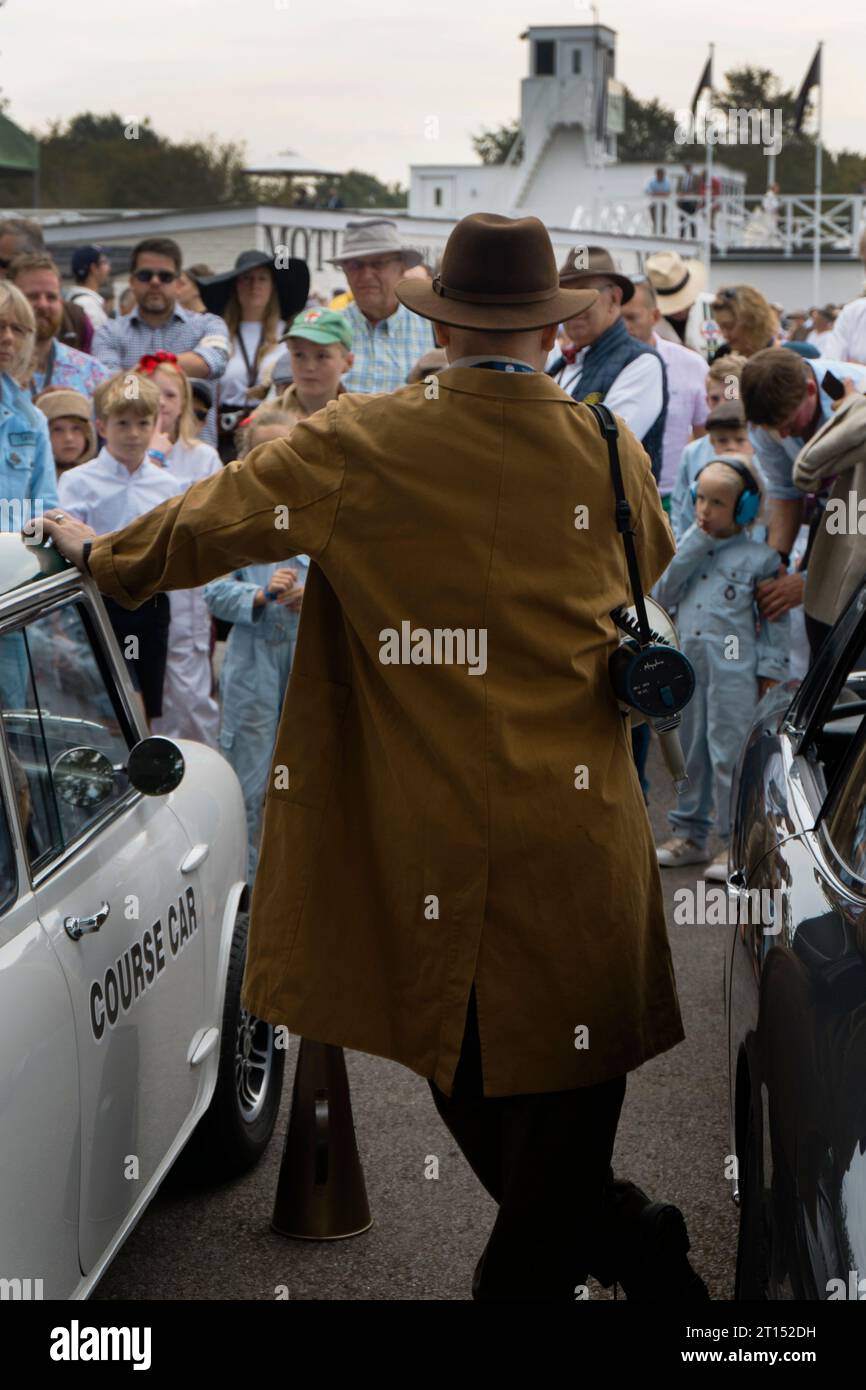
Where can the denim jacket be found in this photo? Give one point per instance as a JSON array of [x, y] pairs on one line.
[[28, 478]]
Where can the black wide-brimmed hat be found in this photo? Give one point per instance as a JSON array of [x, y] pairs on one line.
[[292, 283], [497, 272]]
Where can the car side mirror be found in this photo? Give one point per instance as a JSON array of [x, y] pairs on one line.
[[83, 777], [155, 766]]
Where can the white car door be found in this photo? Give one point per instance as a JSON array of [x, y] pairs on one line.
[[40, 1147], [118, 909]]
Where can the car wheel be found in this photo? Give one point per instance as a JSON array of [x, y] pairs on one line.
[[751, 1281], [237, 1127]]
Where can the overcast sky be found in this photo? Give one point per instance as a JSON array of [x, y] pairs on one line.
[[352, 84]]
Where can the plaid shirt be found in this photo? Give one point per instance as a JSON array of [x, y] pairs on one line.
[[385, 351], [122, 341]]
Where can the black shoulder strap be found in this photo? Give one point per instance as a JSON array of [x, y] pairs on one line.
[[607, 425]]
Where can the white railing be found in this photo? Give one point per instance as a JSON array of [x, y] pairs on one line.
[[739, 223]]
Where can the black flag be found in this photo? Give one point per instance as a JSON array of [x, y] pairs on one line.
[[812, 79], [706, 80]]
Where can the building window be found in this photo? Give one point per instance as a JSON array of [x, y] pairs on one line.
[[576, 60], [545, 63], [437, 197]]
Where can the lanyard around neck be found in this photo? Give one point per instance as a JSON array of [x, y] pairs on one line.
[[252, 367]]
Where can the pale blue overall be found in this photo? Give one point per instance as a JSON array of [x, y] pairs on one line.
[[711, 584], [253, 680]]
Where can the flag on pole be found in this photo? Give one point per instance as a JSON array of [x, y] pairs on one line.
[[812, 79], [705, 80]]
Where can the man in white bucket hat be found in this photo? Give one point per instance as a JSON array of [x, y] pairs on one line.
[[387, 337]]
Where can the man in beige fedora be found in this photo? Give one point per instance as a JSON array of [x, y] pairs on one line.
[[457, 871], [682, 300], [387, 338]]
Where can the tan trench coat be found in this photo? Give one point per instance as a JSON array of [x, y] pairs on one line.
[[423, 827]]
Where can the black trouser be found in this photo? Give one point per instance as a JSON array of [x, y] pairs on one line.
[[545, 1158], [146, 654]]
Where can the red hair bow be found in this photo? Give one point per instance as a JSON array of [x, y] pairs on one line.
[[151, 360]]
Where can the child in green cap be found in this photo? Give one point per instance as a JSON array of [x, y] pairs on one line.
[[320, 346]]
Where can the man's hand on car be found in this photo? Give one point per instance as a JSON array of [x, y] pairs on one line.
[[66, 532]]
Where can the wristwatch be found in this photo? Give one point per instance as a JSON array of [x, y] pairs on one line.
[[85, 555]]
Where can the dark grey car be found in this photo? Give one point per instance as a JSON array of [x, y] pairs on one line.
[[795, 981]]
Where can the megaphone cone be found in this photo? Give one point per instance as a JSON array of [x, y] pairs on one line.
[[321, 1193]]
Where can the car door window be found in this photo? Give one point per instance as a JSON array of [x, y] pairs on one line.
[[8, 869], [845, 815], [833, 736], [57, 694]]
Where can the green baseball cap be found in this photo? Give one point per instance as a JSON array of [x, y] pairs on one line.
[[320, 326]]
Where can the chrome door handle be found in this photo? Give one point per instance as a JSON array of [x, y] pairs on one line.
[[197, 855], [78, 926]]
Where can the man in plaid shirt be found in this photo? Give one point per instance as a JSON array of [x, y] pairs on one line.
[[387, 338], [200, 341]]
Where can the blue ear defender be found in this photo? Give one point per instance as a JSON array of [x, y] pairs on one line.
[[749, 500]]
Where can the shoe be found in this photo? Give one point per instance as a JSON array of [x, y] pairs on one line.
[[646, 1246], [717, 872], [680, 850]]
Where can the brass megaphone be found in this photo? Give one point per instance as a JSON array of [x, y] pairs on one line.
[[321, 1193]]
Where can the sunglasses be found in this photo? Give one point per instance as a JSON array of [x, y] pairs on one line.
[[164, 277]]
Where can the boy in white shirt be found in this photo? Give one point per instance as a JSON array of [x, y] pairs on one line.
[[120, 484]]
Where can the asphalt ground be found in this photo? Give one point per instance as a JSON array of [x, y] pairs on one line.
[[201, 1241]]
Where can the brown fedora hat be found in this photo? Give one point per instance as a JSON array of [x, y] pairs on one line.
[[498, 273], [583, 262]]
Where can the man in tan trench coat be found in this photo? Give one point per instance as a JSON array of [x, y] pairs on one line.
[[456, 864]]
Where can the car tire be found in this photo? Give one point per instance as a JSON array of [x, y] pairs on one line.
[[751, 1280], [237, 1127]]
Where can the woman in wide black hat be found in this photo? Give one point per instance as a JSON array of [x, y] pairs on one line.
[[257, 300]]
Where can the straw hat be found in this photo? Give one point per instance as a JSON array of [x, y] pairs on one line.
[[677, 283]]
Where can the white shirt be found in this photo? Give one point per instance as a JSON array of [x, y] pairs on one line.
[[687, 404], [190, 462], [233, 384], [91, 302], [847, 341], [105, 495], [636, 394]]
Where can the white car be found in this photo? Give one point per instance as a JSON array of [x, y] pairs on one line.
[[122, 943]]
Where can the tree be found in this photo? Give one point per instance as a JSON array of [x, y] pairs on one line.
[[492, 146], [100, 160], [649, 132], [103, 161]]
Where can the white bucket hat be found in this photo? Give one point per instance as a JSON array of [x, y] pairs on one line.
[[375, 236]]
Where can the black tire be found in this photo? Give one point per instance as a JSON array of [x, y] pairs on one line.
[[751, 1281], [237, 1127]]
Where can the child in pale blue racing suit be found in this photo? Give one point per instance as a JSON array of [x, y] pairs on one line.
[[736, 654], [255, 673]]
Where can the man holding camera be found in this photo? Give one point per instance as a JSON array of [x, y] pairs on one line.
[[443, 876]]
